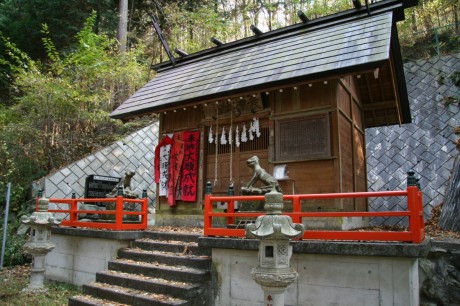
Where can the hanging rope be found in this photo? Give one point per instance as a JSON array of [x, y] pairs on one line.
[[231, 144], [216, 141]]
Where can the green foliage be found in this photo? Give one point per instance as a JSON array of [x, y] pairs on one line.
[[12, 61], [49, 45], [455, 78], [192, 30], [430, 29], [21, 20], [59, 110], [14, 255]]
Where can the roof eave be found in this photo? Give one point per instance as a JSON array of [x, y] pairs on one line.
[[400, 77], [396, 6], [258, 88]]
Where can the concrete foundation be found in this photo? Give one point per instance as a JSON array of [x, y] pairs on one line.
[[389, 277], [330, 273], [323, 280], [79, 254]]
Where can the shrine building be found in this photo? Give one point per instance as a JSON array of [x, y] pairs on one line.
[[299, 98]]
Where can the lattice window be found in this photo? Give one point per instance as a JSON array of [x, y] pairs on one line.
[[303, 138], [257, 144], [282, 250]]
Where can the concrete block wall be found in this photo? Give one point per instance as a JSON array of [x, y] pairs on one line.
[[135, 151], [323, 280], [426, 145], [75, 259]]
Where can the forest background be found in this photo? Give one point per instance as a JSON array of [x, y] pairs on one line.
[[65, 65]]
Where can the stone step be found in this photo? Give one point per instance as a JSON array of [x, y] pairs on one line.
[[176, 236], [171, 246], [156, 270], [164, 268], [181, 290], [88, 300], [186, 258], [130, 296]]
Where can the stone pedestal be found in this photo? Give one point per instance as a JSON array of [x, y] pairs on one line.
[[274, 283], [37, 274]]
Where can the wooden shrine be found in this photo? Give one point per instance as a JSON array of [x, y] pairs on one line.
[[299, 98]]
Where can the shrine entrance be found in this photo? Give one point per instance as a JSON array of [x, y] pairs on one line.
[[229, 165]]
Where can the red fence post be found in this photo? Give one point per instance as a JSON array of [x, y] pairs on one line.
[[207, 222], [231, 205], [119, 210], [413, 205], [422, 214], [296, 208], [417, 209], [145, 214], [73, 209]]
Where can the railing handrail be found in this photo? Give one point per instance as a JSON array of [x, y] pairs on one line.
[[318, 196], [118, 222], [414, 212]]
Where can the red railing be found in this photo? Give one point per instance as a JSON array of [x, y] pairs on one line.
[[415, 232], [118, 223]]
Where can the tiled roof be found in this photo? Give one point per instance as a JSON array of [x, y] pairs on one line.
[[295, 56]]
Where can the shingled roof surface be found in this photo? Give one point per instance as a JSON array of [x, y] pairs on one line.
[[295, 56]]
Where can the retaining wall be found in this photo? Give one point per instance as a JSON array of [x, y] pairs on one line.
[[427, 145]]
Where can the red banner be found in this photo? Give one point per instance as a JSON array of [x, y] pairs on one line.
[[175, 165], [190, 166], [164, 142]]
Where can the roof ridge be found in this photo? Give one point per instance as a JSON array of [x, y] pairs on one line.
[[281, 33]]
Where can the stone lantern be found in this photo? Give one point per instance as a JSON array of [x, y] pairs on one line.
[[39, 243], [274, 231]]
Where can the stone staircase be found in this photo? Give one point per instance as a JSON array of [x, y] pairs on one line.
[[164, 268]]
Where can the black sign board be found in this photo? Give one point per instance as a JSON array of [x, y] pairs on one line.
[[97, 186]]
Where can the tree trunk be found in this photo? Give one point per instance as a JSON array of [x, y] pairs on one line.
[[122, 24], [414, 21], [450, 215], [456, 23]]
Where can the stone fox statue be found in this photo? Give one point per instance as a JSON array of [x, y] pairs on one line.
[[126, 183], [259, 175]]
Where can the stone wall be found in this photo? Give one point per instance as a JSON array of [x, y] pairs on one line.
[[426, 145], [440, 274], [136, 152]]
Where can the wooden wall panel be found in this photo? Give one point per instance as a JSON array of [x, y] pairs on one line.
[[343, 100], [346, 154], [312, 177], [304, 98], [359, 154], [358, 115], [181, 119], [346, 160], [360, 168], [352, 85]]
